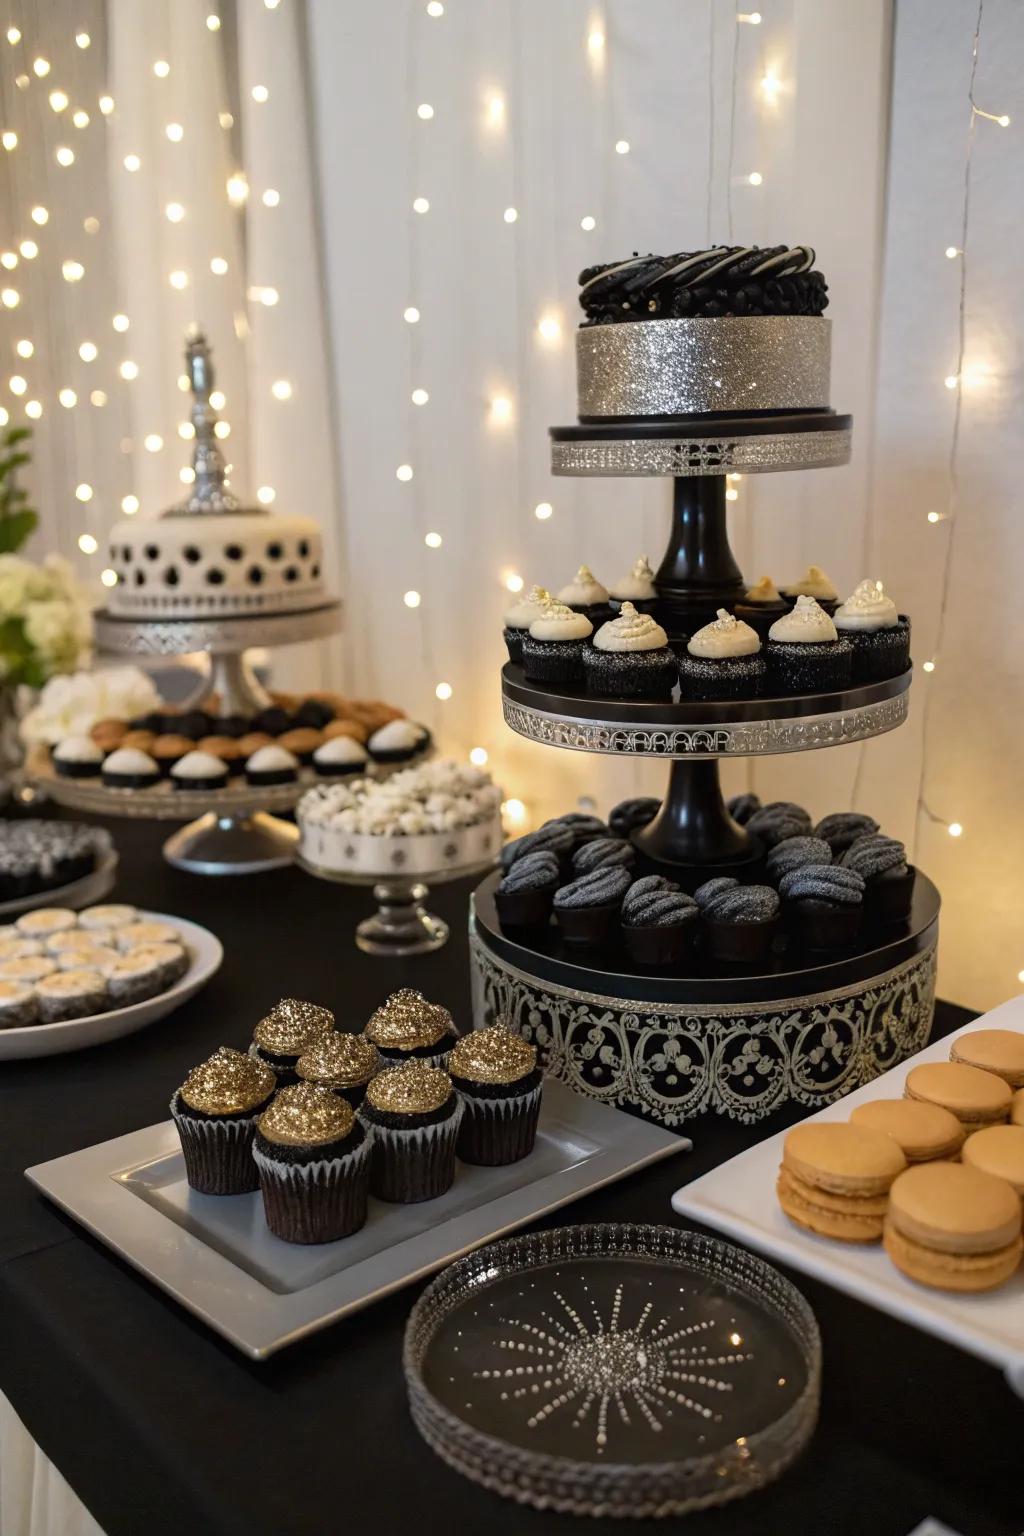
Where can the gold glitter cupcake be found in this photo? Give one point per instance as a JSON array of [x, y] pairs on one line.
[[414, 1115], [313, 1161], [215, 1111], [289, 1029], [495, 1073], [342, 1062], [407, 1028]]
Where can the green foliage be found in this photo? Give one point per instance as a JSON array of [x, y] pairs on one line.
[[17, 519]]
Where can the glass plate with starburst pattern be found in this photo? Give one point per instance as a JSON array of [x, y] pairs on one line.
[[614, 1370]]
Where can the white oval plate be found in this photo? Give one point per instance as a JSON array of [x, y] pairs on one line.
[[206, 951]]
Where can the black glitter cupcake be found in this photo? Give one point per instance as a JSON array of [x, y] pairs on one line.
[[793, 853], [636, 587], [585, 594], [880, 635], [761, 605], [556, 837], [495, 1073], [587, 909], [520, 616], [710, 891], [777, 820], [630, 658], [414, 1114], [342, 1062], [813, 583], [603, 853], [742, 807], [805, 653], [841, 829], [659, 921], [288, 1030], [722, 661], [407, 1028], [741, 924], [584, 827], [313, 1161], [882, 864], [553, 646], [215, 1111], [523, 897], [824, 904], [630, 815]]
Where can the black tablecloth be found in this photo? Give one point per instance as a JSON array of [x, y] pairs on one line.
[[162, 1428]]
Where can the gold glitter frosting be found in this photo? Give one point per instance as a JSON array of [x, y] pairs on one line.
[[412, 1089], [291, 1026], [406, 1021], [339, 1061], [305, 1115], [495, 1055], [228, 1083]]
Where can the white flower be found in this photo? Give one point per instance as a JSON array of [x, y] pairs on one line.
[[71, 706]]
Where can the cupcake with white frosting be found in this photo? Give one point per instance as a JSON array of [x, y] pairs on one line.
[[761, 605], [77, 757], [274, 764], [630, 658], [723, 661], [399, 741], [585, 594], [805, 653], [636, 587], [130, 768], [879, 634], [340, 758], [554, 645], [199, 770], [520, 616], [813, 583]]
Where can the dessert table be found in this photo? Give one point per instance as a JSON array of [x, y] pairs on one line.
[[160, 1426]]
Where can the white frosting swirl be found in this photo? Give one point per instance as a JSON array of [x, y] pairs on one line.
[[806, 624], [558, 622], [631, 631], [867, 608], [584, 591], [725, 636], [522, 614], [813, 583], [638, 584]]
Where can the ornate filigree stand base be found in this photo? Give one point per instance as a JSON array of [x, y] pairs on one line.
[[217, 844]]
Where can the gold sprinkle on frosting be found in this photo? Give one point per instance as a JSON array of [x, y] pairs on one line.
[[306, 1115], [228, 1083], [406, 1022], [339, 1061], [291, 1026], [495, 1055], [411, 1089]]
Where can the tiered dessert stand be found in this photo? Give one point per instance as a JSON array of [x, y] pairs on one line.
[[697, 400], [233, 831]]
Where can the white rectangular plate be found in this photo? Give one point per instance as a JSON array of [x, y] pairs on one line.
[[738, 1198], [216, 1256]]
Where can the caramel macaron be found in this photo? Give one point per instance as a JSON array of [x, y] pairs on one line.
[[992, 1050], [1017, 1108], [302, 740], [835, 1179], [109, 734], [999, 1150], [142, 741], [975, 1097], [954, 1228], [345, 727], [921, 1131]]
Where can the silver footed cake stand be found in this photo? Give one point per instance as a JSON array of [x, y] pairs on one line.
[[401, 924]]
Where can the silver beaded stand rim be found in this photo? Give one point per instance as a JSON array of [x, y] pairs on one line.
[[672, 1062], [713, 454], [160, 636], [678, 367], [751, 738]]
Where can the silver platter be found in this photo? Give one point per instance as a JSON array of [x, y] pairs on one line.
[[713, 454], [163, 802], [175, 637], [735, 363], [401, 924]]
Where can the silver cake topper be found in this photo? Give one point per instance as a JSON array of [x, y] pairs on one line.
[[209, 492]]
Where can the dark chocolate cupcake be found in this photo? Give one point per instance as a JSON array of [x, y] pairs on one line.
[[414, 1114], [630, 815], [659, 921], [823, 904], [286, 1033], [741, 924], [630, 658], [879, 634], [587, 909], [556, 837], [312, 1157], [777, 820], [710, 891], [553, 646], [495, 1073], [342, 1062], [77, 757], [636, 587], [761, 605], [584, 827], [524, 895], [603, 853], [742, 807], [805, 653], [813, 583], [130, 768], [794, 853], [215, 1111], [407, 1028], [889, 879], [585, 594], [520, 616], [722, 661], [842, 828]]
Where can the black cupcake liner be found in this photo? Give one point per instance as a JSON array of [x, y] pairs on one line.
[[267, 778], [665, 944], [205, 784], [741, 943], [818, 926], [217, 1152], [524, 909], [588, 926], [130, 780], [68, 769], [819, 667], [408, 1166], [630, 674], [316, 1202], [889, 897], [553, 661], [721, 677], [759, 616], [494, 1132]]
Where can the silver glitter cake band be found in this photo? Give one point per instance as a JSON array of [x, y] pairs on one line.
[[711, 455], [680, 367]]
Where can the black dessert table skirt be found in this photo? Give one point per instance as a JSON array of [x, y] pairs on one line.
[[162, 1428]]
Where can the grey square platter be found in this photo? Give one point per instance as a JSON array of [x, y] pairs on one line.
[[216, 1257]]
